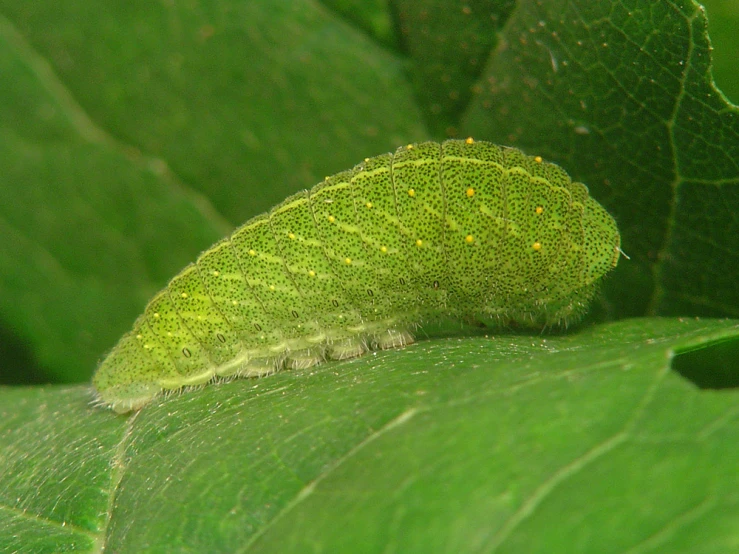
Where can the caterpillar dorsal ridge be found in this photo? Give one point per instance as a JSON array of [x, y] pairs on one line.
[[460, 229]]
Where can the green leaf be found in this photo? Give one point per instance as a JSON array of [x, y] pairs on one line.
[[580, 443], [724, 18], [621, 95], [116, 120]]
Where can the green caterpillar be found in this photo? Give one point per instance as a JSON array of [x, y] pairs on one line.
[[461, 229]]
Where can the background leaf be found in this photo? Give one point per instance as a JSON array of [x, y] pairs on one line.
[[120, 119], [133, 135], [622, 96], [723, 16]]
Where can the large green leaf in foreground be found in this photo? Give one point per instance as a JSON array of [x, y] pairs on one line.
[[588, 443]]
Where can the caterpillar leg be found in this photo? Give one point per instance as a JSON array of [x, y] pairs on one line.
[[393, 338], [303, 359], [347, 348], [133, 396], [260, 367]]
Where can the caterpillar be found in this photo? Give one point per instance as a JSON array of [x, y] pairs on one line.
[[458, 229]]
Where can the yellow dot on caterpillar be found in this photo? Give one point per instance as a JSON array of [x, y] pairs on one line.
[[419, 242], [252, 252], [311, 273], [369, 205], [169, 334], [383, 249], [536, 246], [469, 140], [183, 295], [272, 287], [147, 347], [347, 261], [539, 210], [469, 239], [234, 302], [331, 219], [409, 147], [411, 192], [216, 273], [291, 236], [156, 315], [139, 337], [538, 159], [470, 192], [366, 160]]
